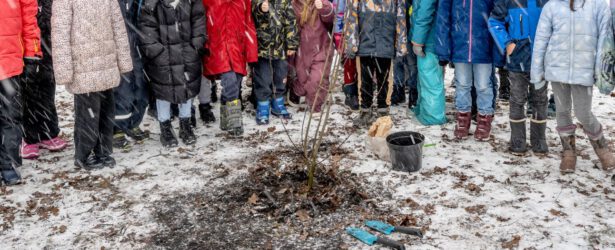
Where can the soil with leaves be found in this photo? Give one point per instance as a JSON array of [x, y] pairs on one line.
[[250, 193]]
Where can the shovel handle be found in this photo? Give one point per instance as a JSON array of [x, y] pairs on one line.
[[391, 243], [410, 231]]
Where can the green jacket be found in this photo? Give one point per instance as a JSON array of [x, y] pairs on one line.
[[424, 23], [276, 30]]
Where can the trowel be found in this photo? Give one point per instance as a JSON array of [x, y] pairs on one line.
[[387, 229], [371, 239]]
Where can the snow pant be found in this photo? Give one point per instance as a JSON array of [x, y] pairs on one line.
[[375, 74], [268, 78], [164, 110], [94, 118], [519, 83], [205, 93], [504, 80], [315, 87], [405, 71], [431, 105], [40, 119], [479, 76], [131, 101], [569, 96], [10, 123], [231, 85]]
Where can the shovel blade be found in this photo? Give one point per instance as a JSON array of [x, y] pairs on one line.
[[380, 226], [362, 235]]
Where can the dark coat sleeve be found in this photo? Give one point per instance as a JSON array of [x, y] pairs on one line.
[[149, 37], [199, 27]]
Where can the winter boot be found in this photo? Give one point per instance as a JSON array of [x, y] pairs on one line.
[[29, 151], [223, 119], [601, 146], [107, 161], [293, 99], [365, 118], [207, 116], [234, 117], [262, 113], [167, 136], [569, 154], [352, 96], [278, 109], [538, 139], [462, 129], [120, 142], [137, 134], [185, 131], [91, 163], [483, 129], [10, 175], [413, 97], [518, 144]]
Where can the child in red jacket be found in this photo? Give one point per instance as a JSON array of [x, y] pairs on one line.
[[20, 39]]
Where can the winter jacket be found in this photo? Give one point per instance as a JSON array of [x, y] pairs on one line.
[[376, 28], [515, 21], [19, 35], [424, 23], [89, 45], [131, 9], [172, 41], [276, 30], [232, 37], [568, 45], [463, 32]]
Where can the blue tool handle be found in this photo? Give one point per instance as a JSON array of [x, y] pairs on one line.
[[410, 231], [391, 243]]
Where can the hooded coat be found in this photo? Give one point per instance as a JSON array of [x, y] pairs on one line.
[[89, 45], [232, 40], [568, 45], [276, 30], [172, 38], [19, 35]]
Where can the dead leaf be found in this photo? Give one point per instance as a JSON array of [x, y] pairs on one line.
[[253, 199], [303, 215], [513, 243], [557, 213], [271, 129]]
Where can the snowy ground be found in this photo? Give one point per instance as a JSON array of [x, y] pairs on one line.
[[468, 195]]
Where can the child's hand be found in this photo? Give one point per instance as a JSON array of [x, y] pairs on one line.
[[318, 4], [265, 6], [290, 53]]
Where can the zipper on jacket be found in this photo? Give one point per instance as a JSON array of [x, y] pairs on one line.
[[471, 17], [521, 23]]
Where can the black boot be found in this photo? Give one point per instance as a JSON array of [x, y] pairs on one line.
[[518, 144], [107, 161], [185, 131], [538, 139], [352, 96], [91, 163], [207, 115], [167, 136], [413, 97]]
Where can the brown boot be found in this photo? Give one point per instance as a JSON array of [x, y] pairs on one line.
[[463, 125], [483, 129], [569, 155], [601, 146]]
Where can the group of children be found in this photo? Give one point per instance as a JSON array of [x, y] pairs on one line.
[[121, 56]]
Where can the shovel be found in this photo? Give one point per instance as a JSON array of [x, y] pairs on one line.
[[388, 229], [371, 239]]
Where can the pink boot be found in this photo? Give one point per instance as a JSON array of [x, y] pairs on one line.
[[55, 144], [29, 151]]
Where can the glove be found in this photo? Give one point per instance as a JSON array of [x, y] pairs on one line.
[[418, 50], [443, 63]]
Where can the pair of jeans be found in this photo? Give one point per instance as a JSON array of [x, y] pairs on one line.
[[569, 96], [94, 122], [479, 76], [131, 101], [40, 119], [268, 77], [10, 123], [231, 86], [519, 83], [375, 74], [405, 71], [164, 110]]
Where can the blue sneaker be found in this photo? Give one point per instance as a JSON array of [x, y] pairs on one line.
[[10, 176], [262, 113], [278, 109]]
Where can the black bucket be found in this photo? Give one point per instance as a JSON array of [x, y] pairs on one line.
[[406, 150]]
